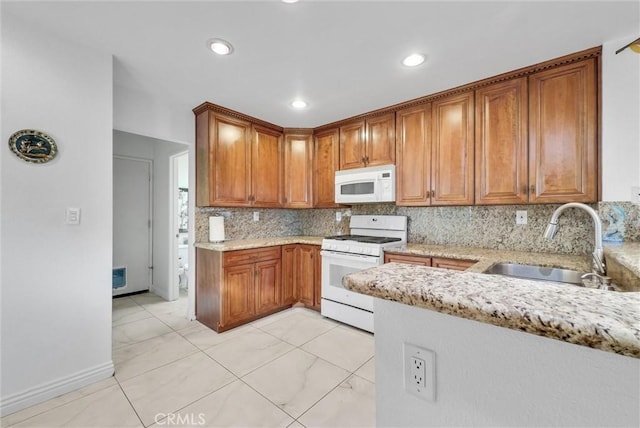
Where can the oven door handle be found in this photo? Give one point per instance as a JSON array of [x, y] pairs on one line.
[[350, 257]]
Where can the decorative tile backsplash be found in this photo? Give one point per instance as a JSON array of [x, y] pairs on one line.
[[472, 226]]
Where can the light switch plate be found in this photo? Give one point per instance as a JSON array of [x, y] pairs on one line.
[[256, 216], [72, 216]]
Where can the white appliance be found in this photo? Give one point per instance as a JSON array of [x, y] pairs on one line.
[[345, 254], [366, 185]]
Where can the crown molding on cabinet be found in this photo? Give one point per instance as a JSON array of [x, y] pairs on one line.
[[525, 71]]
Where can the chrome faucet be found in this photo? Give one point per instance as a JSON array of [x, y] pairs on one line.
[[598, 254]]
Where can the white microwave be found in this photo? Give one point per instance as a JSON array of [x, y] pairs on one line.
[[366, 185]]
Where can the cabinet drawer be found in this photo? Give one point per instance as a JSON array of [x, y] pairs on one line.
[[240, 257], [407, 259], [453, 264]]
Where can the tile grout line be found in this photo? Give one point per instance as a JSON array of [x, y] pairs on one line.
[[129, 401]]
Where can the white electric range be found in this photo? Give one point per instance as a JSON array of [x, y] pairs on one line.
[[345, 254]]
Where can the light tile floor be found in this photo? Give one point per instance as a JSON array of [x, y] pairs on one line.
[[294, 368]]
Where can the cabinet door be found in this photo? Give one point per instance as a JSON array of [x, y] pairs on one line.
[[562, 134], [326, 161], [298, 171], [501, 143], [404, 258], [306, 274], [380, 140], [268, 285], [266, 170], [317, 282], [413, 156], [452, 150], [230, 161], [208, 266], [204, 158], [288, 293], [453, 264], [238, 294], [352, 148]]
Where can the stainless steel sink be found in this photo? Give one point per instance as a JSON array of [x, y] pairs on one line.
[[537, 273]]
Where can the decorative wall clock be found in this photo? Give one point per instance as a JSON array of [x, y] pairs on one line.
[[33, 146]]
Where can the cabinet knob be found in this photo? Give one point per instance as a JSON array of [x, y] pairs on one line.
[[532, 189], [433, 193]]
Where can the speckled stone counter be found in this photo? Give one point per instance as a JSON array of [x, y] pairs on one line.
[[245, 244], [605, 320], [487, 257]]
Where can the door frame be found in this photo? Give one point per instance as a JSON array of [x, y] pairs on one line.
[[174, 290], [150, 228]]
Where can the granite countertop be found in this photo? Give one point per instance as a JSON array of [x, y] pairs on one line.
[[487, 257], [605, 320], [626, 253], [245, 244]]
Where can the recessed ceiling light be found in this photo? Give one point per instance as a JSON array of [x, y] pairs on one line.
[[298, 104], [289, 1], [219, 46], [413, 60]]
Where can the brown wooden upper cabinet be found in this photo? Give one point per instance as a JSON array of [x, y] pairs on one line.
[[536, 137], [326, 161], [413, 156], [368, 142], [266, 171], [563, 121], [238, 164], [501, 143], [434, 152], [298, 170]]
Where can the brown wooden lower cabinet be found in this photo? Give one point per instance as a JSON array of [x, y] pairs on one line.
[[236, 287], [301, 272], [403, 258], [454, 264]]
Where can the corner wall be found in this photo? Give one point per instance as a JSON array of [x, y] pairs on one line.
[[56, 278], [620, 124]]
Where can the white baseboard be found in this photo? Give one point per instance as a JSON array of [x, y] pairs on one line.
[[46, 391], [159, 291]]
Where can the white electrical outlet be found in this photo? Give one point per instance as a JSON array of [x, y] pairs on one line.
[[419, 371], [338, 216], [256, 216], [521, 217], [635, 194]]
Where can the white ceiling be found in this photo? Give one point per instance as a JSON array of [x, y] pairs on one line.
[[342, 57]]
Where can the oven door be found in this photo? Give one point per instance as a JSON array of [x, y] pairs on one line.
[[335, 265]]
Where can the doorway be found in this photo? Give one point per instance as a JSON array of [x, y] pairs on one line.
[[132, 221], [179, 207]]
